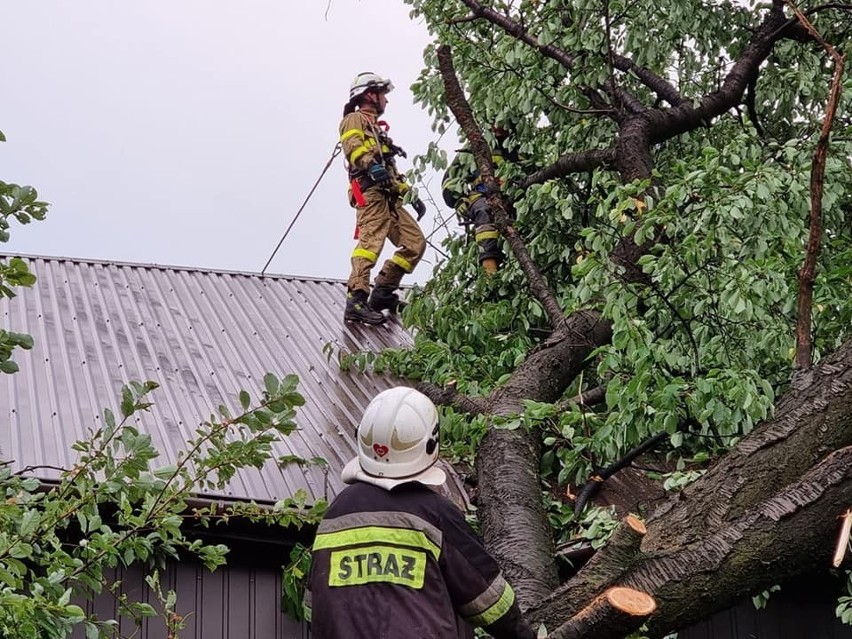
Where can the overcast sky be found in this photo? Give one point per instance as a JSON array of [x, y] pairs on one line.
[[188, 133]]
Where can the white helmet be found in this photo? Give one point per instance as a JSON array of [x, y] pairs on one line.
[[397, 441], [363, 82]]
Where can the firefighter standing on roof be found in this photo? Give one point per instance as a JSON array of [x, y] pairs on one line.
[[376, 192], [392, 559]]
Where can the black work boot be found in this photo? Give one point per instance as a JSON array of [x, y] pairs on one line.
[[357, 309], [383, 298]]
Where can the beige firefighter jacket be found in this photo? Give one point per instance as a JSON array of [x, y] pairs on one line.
[[365, 141]]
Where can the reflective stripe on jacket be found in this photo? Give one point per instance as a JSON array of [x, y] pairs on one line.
[[364, 142], [462, 181], [405, 564]]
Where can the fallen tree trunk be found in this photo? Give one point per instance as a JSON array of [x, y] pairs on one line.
[[766, 512], [510, 507], [813, 419]]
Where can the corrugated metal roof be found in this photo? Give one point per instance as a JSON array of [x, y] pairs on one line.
[[202, 335]]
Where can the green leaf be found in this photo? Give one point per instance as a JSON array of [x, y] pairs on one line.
[[74, 613], [165, 472], [270, 382], [144, 609], [23, 340], [127, 403], [8, 366], [245, 400], [29, 522]]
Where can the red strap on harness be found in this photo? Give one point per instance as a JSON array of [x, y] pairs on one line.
[[358, 196]]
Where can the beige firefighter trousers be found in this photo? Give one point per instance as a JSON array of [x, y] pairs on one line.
[[383, 217]]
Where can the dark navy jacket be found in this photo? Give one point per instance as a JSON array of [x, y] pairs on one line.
[[404, 564]]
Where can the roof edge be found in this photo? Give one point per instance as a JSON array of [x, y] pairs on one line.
[[172, 267]]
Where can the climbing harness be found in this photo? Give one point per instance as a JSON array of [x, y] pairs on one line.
[[358, 195]]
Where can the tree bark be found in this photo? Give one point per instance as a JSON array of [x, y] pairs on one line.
[[511, 511], [807, 275], [613, 614], [765, 512]]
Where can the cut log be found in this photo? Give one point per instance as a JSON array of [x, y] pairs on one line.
[[843, 540], [613, 615], [602, 571]]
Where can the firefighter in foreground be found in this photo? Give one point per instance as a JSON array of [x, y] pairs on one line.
[[392, 558], [464, 190], [376, 189]]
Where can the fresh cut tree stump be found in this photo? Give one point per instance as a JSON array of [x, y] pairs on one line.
[[613, 615]]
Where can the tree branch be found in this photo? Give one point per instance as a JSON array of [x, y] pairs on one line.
[[519, 33], [29, 469], [750, 97], [613, 615], [593, 485], [571, 163], [638, 134], [795, 21], [627, 100], [807, 276], [664, 89], [448, 396], [550, 367], [664, 124], [479, 147], [591, 397], [659, 85]]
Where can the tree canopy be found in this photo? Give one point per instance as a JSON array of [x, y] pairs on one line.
[[676, 162]]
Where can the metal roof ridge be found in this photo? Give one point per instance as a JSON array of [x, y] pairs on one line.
[[173, 267]]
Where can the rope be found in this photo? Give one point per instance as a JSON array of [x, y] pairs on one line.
[[438, 214], [337, 149], [334, 154]]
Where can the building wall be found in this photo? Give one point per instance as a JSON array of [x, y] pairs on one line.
[[240, 601], [803, 610]]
